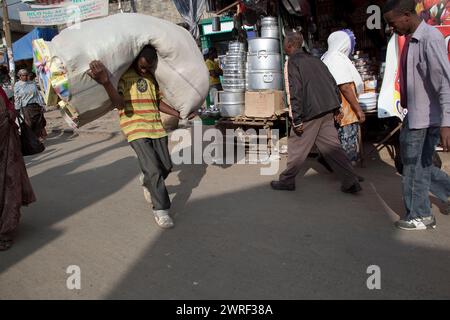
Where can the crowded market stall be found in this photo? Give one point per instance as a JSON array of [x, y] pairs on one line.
[[253, 85]]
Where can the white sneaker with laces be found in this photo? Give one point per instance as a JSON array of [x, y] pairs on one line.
[[417, 224], [163, 219]]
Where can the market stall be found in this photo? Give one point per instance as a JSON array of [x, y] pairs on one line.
[[252, 79], [253, 95]]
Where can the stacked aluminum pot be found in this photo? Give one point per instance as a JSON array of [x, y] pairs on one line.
[[269, 28], [231, 101], [264, 60]]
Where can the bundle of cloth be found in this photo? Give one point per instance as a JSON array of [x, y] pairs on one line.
[[116, 40]]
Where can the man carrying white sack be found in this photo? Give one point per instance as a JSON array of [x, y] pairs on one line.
[[139, 102]]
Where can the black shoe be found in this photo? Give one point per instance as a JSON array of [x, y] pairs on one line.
[[446, 210], [323, 162], [356, 187], [277, 185], [361, 179]]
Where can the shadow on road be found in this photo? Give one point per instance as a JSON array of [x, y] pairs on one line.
[[79, 189], [314, 243]]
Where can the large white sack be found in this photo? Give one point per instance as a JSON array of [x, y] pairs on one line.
[[116, 40]]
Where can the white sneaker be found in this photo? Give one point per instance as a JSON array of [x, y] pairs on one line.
[[163, 219], [147, 195], [417, 224]]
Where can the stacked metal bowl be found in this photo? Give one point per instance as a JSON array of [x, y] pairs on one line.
[[234, 71], [232, 99]]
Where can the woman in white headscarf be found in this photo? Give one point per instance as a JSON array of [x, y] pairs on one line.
[[29, 100], [340, 47]]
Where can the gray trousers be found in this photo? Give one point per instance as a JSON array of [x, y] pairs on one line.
[[322, 133], [154, 160]]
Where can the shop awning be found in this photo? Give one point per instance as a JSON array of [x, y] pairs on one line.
[[22, 49]]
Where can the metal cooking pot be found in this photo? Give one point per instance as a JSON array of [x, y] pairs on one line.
[[235, 65], [265, 80], [264, 61], [263, 44], [234, 88], [228, 81], [269, 21], [226, 97], [236, 46], [236, 53], [234, 68], [270, 32], [229, 110]]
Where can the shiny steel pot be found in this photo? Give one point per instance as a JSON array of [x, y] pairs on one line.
[[269, 21], [264, 80], [258, 45], [264, 61], [226, 97], [233, 88], [236, 54], [228, 70], [228, 81], [235, 66], [270, 32], [229, 110], [236, 46]]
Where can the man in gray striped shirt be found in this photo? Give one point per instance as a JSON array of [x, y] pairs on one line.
[[425, 93]]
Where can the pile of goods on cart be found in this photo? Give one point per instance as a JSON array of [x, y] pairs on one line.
[[253, 78]]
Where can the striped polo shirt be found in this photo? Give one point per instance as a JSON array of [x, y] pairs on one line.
[[140, 116]]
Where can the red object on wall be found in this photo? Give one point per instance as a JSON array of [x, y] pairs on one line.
[[446, 32]]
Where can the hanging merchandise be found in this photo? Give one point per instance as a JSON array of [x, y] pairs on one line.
[[297, 7], [260, 6], [191, 11], [211, 6]]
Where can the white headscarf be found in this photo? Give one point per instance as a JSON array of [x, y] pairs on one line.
[[340, 48]]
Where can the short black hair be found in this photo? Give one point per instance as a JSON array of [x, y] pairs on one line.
[[148, 53], [294, 38], [400, 6], [212, 51]]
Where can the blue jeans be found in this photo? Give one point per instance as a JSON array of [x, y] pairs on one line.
[[420, 176]]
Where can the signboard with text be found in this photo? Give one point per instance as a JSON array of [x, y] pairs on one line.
[[70, 14]]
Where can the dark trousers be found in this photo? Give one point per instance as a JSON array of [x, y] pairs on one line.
[[322, 133], [154, 160], [33, 115], [420, 176]]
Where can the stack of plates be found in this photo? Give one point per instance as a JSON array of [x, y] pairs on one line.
[[368, 101]]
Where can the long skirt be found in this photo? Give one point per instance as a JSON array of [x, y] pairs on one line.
[[34, 117], [15, 186], [348, 136]]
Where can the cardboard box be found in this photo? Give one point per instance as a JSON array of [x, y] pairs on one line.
[[264, 104]]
